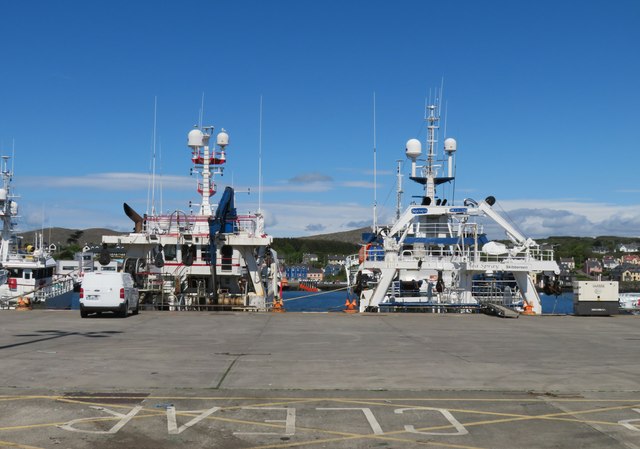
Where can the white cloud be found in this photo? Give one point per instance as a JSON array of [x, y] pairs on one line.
[[110, 181], [359, 184], [309, 178], [543, 218], [299, 219]]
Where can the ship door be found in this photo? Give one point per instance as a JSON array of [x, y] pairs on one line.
[[226, 258]]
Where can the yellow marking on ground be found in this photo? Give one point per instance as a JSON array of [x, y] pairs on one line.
[[23, 398], [328, 398], [355, 437], [18, 445], [340, 436], [550, 416]]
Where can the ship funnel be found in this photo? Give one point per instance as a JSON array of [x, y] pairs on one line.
[[135, 217]]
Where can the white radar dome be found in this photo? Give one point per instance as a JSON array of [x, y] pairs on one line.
[[414, 148], [450, 145], [196, 138], [223, 138]]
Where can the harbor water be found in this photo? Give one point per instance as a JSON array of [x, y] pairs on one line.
[[333, 301]]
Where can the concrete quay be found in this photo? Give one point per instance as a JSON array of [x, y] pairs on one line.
[[318, 380]]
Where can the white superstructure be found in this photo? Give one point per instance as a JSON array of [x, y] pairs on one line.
[[436, 256], [212, 259]]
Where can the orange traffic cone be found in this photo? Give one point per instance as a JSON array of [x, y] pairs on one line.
[[23, 303], [528, 309], [278, 306], [350, 306]]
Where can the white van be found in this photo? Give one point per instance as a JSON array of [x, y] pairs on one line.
[[105, 291]]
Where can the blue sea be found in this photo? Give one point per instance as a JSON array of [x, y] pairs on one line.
[[333, 300], [327, 301]]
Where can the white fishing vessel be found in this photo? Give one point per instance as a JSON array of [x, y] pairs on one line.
[[27, 272], [436, 255], [207, 260]]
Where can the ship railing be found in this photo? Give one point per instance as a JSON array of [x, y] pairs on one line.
[[26, 257], [50, 291], [525, 255], [251, 224], [445, 229], [247, 224], [177, 222], [496, 291]]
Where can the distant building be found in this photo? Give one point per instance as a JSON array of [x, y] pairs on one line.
[[630, 259], [308, 258], [630, 274], [599, 250], [609, 262], [567, 262], [297, 272], [593, 267], [315, 274], [629, 247], [335, 259], [332, 269]]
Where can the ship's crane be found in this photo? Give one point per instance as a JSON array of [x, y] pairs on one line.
[[513, 234], [222, 222]]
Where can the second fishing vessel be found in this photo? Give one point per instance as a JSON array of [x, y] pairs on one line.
[[436, 256]]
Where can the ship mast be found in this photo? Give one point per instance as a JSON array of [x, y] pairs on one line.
[[207, 183], [399, 190], [5, 209], [207, 162], [432, 126]]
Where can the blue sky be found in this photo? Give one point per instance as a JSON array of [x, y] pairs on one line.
[[542, 97]]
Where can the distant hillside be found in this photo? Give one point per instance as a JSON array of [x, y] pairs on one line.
[[354, 236], [60, 236]]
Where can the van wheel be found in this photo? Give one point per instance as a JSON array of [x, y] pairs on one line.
[[125, 311], [137, 309], [83, 313]]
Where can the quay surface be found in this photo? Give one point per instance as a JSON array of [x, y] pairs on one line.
[[318, 380]]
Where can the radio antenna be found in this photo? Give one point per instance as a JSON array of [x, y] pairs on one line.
[[260, 161], [375, 174], [201, 111]]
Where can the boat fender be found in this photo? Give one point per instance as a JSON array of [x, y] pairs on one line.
[[105, 257], [440, 283], [187, 255], [158, 258]]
